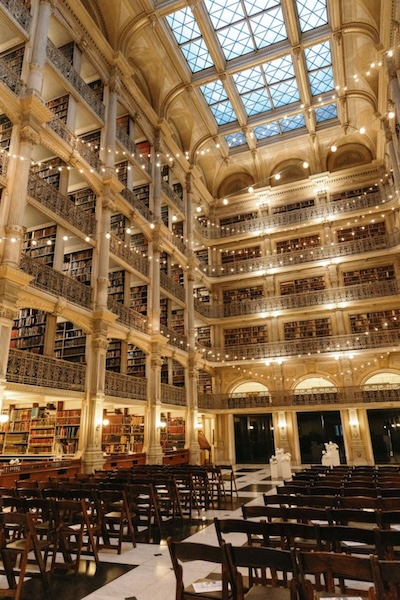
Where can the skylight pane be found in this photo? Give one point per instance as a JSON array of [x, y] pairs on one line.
[[279, 69], [318, 56], [265, 131], [236, 139], [224, 12], [255, 6], [268, 28], [183, 25], [325, 113], [213, 92], [321, 81], [223, 112], [312, 14], [291, 123], [197, 55], [256, 102], [284, 93], [248, 80], [235, 40]]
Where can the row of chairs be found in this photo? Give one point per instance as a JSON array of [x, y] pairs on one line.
[[282, 574], [324, 500]]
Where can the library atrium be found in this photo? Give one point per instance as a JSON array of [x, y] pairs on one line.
[[200, 231]]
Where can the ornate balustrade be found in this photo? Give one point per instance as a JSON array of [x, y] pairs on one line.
[[143, 161], [174, 338], [368, 394], [125, 386], [171, 286], [62, 130], [365, 291], [60, 62], [3, 163], [128, 316], [88, 155], [335, 344], [175, 240], [125, 140], [173, 196], [123, 251], [170, 394], [9, 77], [296, 217], [33, 369], [56, 283], [48, 196], [19, 12], [138, 204], [273, 261]]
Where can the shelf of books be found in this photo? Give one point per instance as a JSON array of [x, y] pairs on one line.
[[28, 330], [122, 432], [39, 244], [172, 436], [84, 198], [70, 342], [59, 106], [116, 285], [68, 422], [113, 356], [79, 265], [5, 132], [369, 275]]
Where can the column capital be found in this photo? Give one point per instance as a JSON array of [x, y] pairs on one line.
[[28, 135]]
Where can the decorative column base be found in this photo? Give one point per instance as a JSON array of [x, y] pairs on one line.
[[154, 455], [358, 454], [92, 460], [194, 453]]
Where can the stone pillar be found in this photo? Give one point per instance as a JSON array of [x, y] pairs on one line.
[[356, 447], [19, 175], [392, 155], [281, 431], [38, 60], [154, 450], [111, 122], [107, 207]]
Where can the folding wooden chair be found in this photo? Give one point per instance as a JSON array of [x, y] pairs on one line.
[[386, 578], [116, 519], [213, 585]]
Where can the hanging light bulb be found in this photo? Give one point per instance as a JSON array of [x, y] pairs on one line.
[[333, 148]]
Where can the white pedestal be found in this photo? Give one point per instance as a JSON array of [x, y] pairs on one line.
[[274, 470], [286, 470]]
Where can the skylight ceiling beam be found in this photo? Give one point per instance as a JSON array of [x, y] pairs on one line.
[[206, 28]]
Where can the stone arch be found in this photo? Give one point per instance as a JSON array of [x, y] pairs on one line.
[[235, 183], [348, 155], [383, 377], [96, 14], [313, 381], [289, 171]]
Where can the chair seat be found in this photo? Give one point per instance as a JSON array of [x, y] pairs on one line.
[[260, 592]]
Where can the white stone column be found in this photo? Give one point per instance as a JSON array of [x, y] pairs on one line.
[[111, 121], [38, 60]]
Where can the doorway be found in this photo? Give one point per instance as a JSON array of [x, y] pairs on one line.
[[254, 438], [384, 426], [315, 429]]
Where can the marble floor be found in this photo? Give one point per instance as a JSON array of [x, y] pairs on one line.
[[144, 572]]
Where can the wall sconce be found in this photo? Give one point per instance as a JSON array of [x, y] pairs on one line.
[[282, 424], [106, 422], [354, 423], [161, 425], [4, 418]]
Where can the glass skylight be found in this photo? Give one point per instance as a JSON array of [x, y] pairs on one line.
[[188, 35], [216, 97], [312, 14], [319, 67], [325, 113], [236, 139]]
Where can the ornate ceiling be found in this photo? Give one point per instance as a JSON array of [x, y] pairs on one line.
[[253, 88]]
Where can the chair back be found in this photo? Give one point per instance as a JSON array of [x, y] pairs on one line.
[[386, 578]]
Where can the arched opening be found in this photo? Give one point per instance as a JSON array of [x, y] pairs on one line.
[[384, 423], [254, 433]]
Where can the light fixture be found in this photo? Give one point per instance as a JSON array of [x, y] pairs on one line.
[[305, 165], [161, 425], [225, 201], [250, 189], [4, 418], [105, 422]]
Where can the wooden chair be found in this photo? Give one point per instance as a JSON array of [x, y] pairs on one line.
[[387, 543], [228, 475], [184, 552], [116, 519], [70, 527], [18, 539], [142, 497], [368, 519], [342, 538], [270, 513], [255, 532], [324, 574], [282, 582], [386, 578], [310, 515]]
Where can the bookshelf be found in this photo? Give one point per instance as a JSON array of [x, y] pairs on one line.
[[28, 330], [238, 336], [5, 132], [375, 321], [164, 262], [177, 229], [116, 285], [237, 295], [165, 214], [123, 123], [234, 219], [299, 286], [165, 173], [301, 243], [177, 274], [42, 430], [136, 362], [142, 193], [67, 429], [164, 312], [139, 244], [360, 276], [293, 206], [203, 336], [202, 255], [164, 373], [14, 59], [39, 244], [178, 189], [362, 232], [178, 320], [173, 434], [124, 433], [59, 106], [49, 170], [202, 294], [113, 356], [357, 193], [118, 225], [306, 329], [178, 374], [122, 172], [17, 431], [138, 298], [92, 141], [97, 87], [79, 265], [68, 51], [229, 256], [204, 382], [70, 342], [144, 148], [85, 199]]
